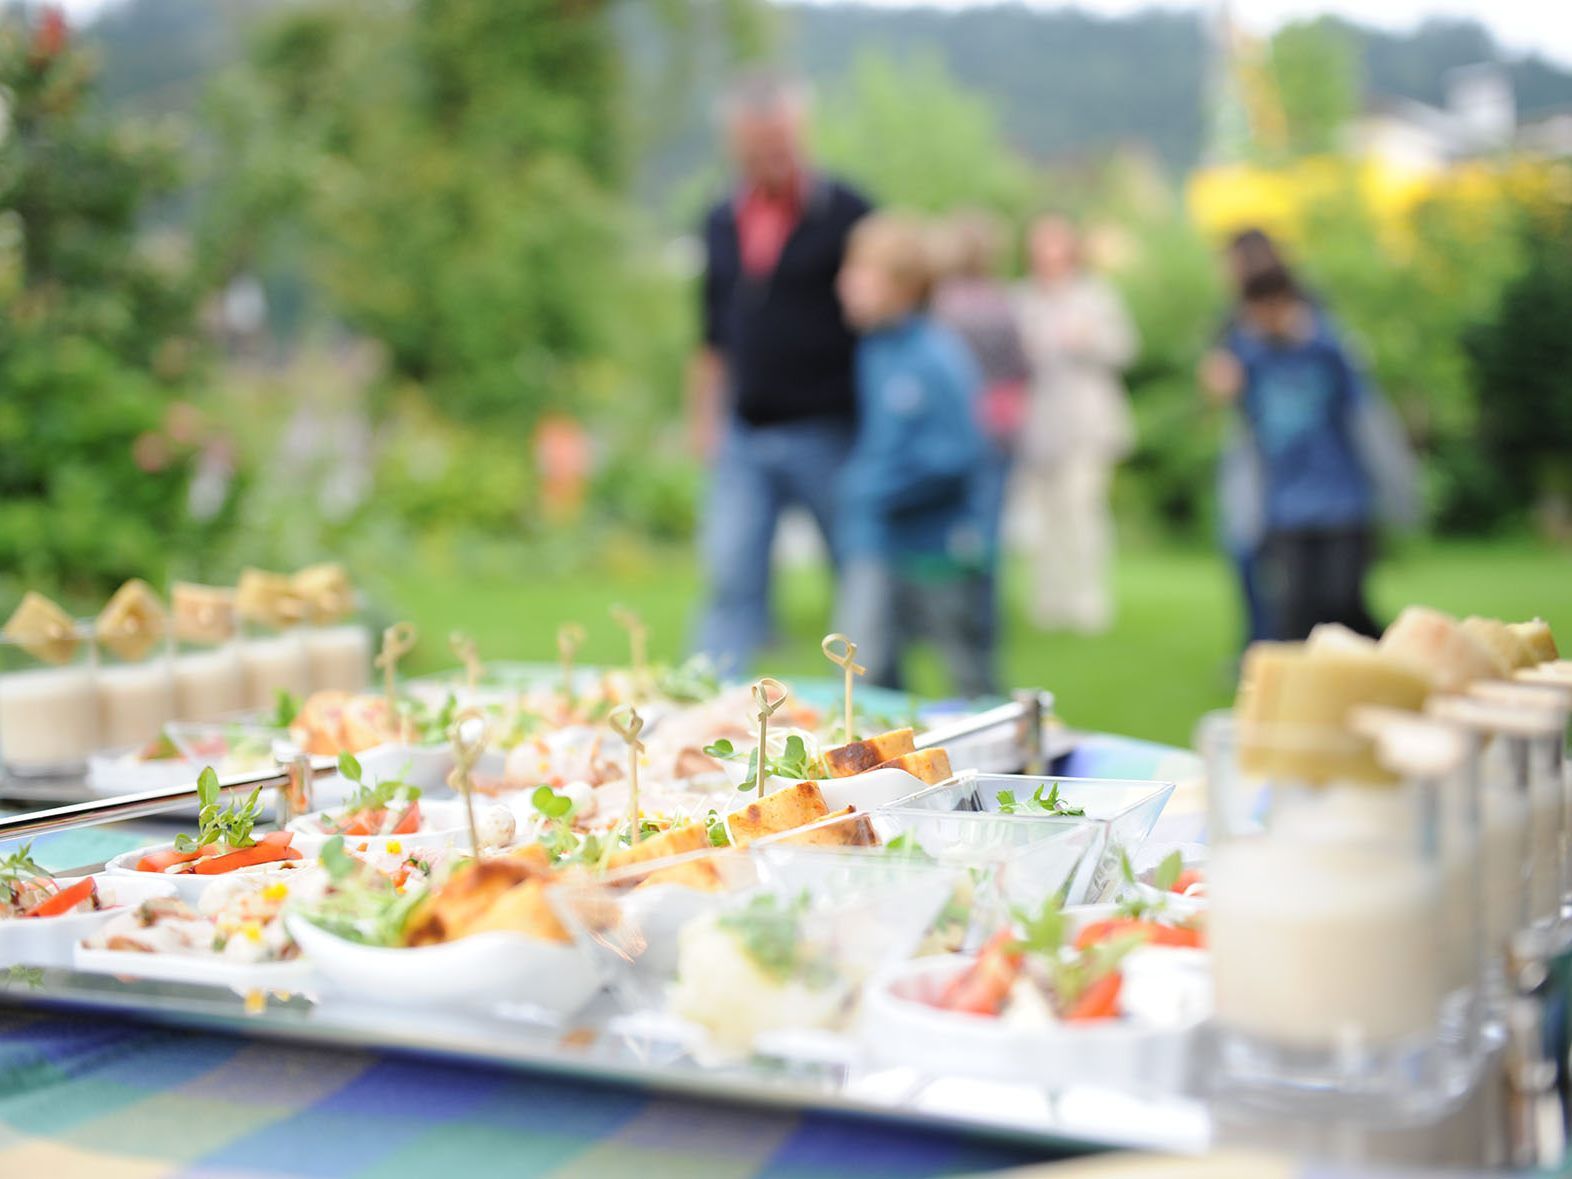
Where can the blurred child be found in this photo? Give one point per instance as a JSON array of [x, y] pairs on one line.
[[970, 299], [913, 546], [1300, 396]]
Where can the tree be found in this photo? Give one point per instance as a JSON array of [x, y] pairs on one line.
[[910, 134], [1315, 66], [94, 330], [1521, 361], [454, 176]]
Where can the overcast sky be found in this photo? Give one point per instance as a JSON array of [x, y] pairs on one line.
[[1544, 26]]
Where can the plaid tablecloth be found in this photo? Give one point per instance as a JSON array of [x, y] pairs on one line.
[[100, 1097], [103, 1098]]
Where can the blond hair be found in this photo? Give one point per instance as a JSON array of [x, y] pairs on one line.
[[967, 244], [899, 245]]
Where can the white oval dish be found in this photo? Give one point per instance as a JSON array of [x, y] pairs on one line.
[[1131, 1054], [443, 824], [203, 969], [188, 886], [483, 970], [49, 941]]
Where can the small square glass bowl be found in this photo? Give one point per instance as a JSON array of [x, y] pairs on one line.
[[1009, 861], [720, 948], [1123, 812]]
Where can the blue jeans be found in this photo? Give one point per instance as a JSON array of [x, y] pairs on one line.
[[760, 471]]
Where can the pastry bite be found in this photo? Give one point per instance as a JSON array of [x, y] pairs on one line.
[[858, 757], [1452, 655]]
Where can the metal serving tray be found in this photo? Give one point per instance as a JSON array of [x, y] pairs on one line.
[[592, 1048]]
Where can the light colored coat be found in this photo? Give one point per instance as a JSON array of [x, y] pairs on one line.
[[1078, 337]]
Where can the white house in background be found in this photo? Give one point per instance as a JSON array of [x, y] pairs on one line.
[[1479, 119]]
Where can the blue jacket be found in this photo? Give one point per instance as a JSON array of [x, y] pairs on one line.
[[1302, 402], [909, 489]]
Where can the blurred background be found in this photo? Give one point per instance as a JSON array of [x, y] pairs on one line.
[[412, 286]]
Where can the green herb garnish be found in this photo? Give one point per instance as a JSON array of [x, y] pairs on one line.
[[362, 905], [1049, 803], [692, 682], [19, 867], [794, 761], [376, 796], [286, 707], [229, 825], [1167, 873], [769, 930], [715, 826]]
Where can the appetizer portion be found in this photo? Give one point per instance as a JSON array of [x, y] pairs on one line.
[[225, 841], [759, 968], [388, 807], [1044, 970], [238, 920], [29, 890]]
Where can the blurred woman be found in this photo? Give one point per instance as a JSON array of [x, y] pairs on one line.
[[1078, 338], [972, 301]]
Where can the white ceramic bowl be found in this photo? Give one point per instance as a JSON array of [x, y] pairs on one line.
[[49, 941], [426, 766], [442, 821], [188, 886], [899, 1029], [485, 970]]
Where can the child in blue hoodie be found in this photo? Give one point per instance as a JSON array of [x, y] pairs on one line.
[[1301, 399], [911, 535]]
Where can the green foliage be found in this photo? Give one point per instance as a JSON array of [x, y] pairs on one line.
[[1521, 358], [911, 135], [93, 324], [1315, 67]]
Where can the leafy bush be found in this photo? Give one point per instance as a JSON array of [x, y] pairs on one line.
[[94, 447]]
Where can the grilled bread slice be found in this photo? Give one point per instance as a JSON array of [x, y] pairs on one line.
[[859, 756], [931, 766], [794, 806]]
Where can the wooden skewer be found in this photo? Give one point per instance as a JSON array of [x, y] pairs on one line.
[[638, 645], [628, 724], [398, 641], [469, 733], [767, 709], [463, 646], [570, 636], [842, 652]]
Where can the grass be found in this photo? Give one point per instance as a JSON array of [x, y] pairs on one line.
[[1168, 659]]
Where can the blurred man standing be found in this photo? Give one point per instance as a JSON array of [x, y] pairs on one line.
[[772, 403]]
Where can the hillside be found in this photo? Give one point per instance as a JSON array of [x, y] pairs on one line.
[[1065, 82]]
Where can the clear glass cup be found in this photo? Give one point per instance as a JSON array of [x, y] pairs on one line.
[[1122, 811], [1331, 968], [136, 697], [210, 680], [731, 952], [339, 656], [49, 706], [1009, 862], [274, 660]]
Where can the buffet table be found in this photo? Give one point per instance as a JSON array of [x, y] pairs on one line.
[[97, 1094]]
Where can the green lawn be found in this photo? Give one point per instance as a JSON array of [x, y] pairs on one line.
[[1168, 659]]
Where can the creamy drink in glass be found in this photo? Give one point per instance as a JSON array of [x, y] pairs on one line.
[[136, 685], [339, 650], [1329, 962], [210, 679], [271, 651], [340, 656], [48, 694]]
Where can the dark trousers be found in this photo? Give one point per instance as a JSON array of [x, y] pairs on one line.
[[887, 613], [1319, 576]]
